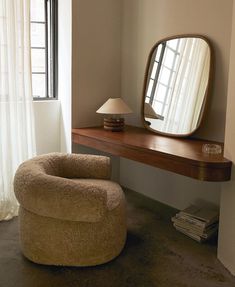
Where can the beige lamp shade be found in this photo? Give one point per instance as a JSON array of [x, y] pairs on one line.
[[115, 106]]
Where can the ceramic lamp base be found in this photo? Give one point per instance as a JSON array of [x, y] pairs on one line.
[[114, 125]]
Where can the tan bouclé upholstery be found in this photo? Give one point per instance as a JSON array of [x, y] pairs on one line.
[[71, 212]]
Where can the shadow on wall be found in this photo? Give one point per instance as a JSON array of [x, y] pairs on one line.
[[65, 132], [172, 189], [115, 176]]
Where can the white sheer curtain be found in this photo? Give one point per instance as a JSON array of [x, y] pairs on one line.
[[189, 87], [17, 139]]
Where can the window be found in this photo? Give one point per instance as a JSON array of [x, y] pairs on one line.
[[43, 20]]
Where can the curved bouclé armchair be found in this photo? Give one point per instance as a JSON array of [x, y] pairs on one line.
[[70, 214]]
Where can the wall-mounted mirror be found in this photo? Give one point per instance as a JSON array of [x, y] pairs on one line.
[[176, 85]]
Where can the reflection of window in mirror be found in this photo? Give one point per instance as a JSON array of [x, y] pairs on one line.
[[162, 76]]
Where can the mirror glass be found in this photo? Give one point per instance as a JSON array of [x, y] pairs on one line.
[[176, 85]]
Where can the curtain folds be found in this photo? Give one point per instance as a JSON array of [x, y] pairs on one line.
[[17, 137], [190, 84]]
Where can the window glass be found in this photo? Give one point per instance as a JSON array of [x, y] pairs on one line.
[[43, 48], [165, 76], [39, 84], [150, 87], [159, 50], [161, 93], [37, 10], [169, 58], [38, 60], [37, 35], [154, 70], [173, 43]]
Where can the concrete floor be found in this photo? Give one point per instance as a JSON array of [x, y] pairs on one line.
[[155, 255]]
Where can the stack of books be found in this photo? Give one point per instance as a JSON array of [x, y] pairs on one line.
[[199, 223]]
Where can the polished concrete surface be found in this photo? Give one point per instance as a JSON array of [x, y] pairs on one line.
[[155, 255]]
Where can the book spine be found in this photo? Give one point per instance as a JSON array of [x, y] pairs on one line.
[[195, 237], [191, 221]]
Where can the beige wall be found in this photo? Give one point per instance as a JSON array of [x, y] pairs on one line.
[[226, 247], [144, 23], [96, 32], [100, 65], [47, 126]]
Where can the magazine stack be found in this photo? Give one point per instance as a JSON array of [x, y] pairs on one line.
[[199, 223]]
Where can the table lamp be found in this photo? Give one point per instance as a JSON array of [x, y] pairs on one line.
[[113, 109]]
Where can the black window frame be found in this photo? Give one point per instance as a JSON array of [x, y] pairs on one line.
[[53, 60]]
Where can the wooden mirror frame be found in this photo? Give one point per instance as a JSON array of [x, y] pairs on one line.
[[207, 91]]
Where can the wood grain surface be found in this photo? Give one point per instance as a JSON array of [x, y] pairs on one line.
[[182, 156]]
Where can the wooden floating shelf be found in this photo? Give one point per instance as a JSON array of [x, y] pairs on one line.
[[182, 156]]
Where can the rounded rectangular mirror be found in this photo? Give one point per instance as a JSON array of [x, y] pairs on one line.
[[176, 85]]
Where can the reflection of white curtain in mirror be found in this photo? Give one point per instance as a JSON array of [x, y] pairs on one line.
[[187, 97]]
